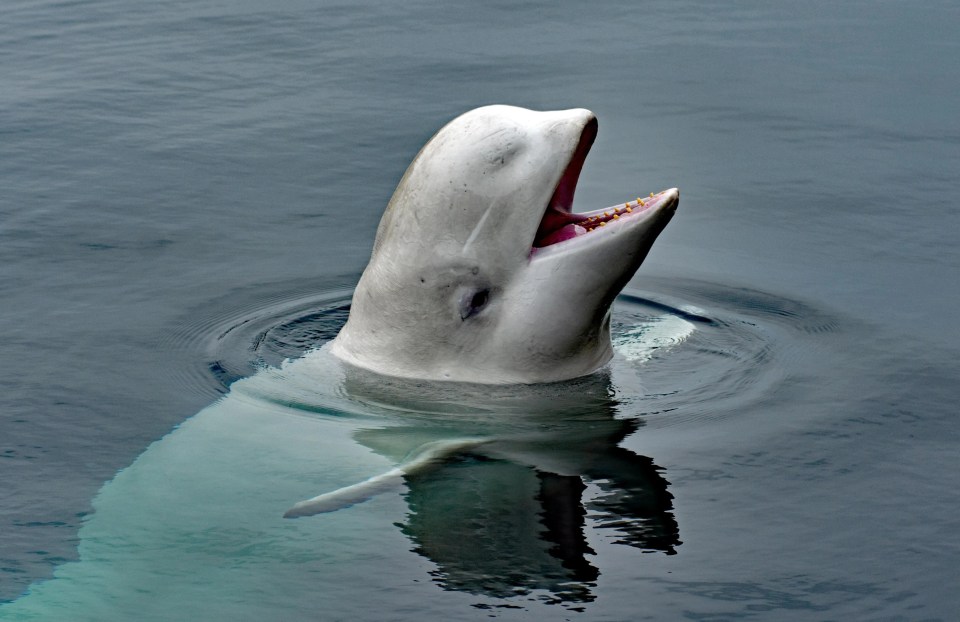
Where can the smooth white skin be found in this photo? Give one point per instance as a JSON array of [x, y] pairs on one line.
[[463, 220]]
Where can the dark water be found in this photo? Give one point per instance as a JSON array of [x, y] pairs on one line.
[[189, 190]]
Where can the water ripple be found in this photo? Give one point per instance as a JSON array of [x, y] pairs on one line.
[[686, 350]]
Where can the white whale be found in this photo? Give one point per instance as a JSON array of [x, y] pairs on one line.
[[481, 272]]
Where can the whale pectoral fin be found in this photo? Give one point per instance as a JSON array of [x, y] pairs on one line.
[[424, 458], [348, 495]]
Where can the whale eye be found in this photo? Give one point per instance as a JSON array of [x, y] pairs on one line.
[[472, 302]]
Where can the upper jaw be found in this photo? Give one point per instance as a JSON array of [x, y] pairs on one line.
[[562, 199], [558, 211], [560, 226]]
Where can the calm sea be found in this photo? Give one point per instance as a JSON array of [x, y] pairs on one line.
[[188, 191]]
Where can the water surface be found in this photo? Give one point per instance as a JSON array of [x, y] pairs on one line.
[[185, 187]]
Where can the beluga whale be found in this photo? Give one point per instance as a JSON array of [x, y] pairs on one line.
[[482, 272], [483, 286]]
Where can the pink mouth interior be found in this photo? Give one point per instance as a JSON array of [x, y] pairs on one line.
[[559, 226], [559, 223]]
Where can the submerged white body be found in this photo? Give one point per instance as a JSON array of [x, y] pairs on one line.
[[455, 288]]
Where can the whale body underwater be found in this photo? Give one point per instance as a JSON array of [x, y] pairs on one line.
[[483, 287]]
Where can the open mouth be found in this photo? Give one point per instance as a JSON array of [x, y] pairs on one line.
[[559, 224]]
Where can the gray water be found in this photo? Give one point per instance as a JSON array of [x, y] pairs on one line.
[[188, 191]]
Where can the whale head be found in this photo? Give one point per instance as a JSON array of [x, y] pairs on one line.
[[481, 272]]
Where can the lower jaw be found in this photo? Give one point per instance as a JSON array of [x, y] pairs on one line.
[[577, 225]]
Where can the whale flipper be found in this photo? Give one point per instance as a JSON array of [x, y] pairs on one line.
[[424, 458]]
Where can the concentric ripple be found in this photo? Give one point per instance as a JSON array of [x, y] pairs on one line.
[[692, 350], [233, 337], [686, 350]]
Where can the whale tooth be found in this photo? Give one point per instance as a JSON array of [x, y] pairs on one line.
[[603, 224], [629, 210], [651, 195]]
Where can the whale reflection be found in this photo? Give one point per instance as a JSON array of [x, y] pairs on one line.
[[511, 515]]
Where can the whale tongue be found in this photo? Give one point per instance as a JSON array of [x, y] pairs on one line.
[[557, 226], [564, 233]]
